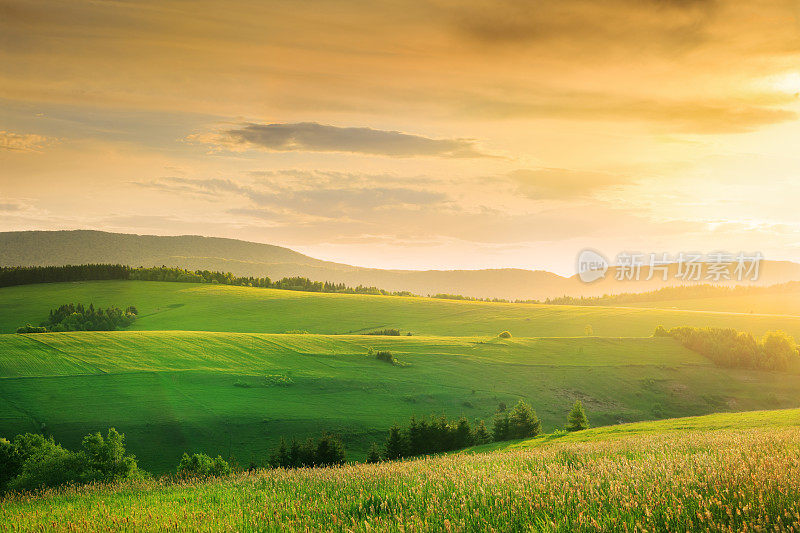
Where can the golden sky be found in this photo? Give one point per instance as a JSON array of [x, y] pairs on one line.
[[427, 134]]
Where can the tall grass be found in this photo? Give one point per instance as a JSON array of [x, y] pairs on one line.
[[732, 479]]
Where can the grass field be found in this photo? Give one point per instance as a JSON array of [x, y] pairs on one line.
[[725, 472], [198, 307], [172, 390], [177, 391]]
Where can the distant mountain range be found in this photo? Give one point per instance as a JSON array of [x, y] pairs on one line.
[[42, 248]]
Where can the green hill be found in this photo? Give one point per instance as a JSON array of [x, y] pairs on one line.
[[724, 472], [203, 307], [201, 369], [214, 392]]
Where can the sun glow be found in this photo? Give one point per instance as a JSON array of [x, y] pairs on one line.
[[787, 83]]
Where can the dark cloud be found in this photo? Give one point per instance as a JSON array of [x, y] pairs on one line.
[[314, 137], [580, 23]]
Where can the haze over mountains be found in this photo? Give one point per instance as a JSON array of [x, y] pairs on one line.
[[44, 248]]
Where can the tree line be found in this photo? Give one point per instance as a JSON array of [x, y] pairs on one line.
[[439, 434], [737, 349], [32, 461], [10, 276]]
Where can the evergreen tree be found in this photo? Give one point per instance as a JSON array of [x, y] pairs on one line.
[[463, 434], [395, 447], [330, 451], [481, 435], [374, 455], [577, 420], [523, 422], [500, 426], [295, 455]]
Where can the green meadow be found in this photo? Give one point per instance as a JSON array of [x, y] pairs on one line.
[[197, 370], [205, 307], [720, 473]]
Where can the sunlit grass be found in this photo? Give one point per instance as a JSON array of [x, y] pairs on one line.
[[673, 481]]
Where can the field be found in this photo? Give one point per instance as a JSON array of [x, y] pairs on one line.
[[198, 307], [722, 472], [208, 390]]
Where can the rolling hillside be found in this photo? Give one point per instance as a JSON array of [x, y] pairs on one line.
[[677, 475], [203, 307], [30, 248], [201, 368]]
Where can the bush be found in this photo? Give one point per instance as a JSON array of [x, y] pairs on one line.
[[27, 328], [278, 380], [661, 331], [387, 357], [32, 461], [505, 335], [201, 465]]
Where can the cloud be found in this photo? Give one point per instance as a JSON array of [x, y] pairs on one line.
[[562, 184], [305, 195], [683, 116], [22, 142], [11, 207], [314, 137]]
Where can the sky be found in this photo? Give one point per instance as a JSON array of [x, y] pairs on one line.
[[408, 134]]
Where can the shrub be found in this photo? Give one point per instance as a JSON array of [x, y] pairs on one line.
[[577, 420], [386, 357], [278, 380], [27, 328], [32, 461], [661, 331], [201, 465], [505, 335]]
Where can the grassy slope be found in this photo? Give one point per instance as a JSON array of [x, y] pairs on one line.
[[657, 476], [175, 391], [178, 306]]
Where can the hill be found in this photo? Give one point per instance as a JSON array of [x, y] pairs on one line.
[[45, 248], [177, 391], [659, 478], [205, 307]]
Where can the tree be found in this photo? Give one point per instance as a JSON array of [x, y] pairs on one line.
[[395, 447], [280, 457], [577, 420], [201, 465], [481, 435], [373, 455], [463, 434], [505, 335], [107, 456], [779, 349], [330, 451], [523, 422], [500, 426]]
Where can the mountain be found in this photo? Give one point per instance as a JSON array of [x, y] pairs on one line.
[[42, 248]]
